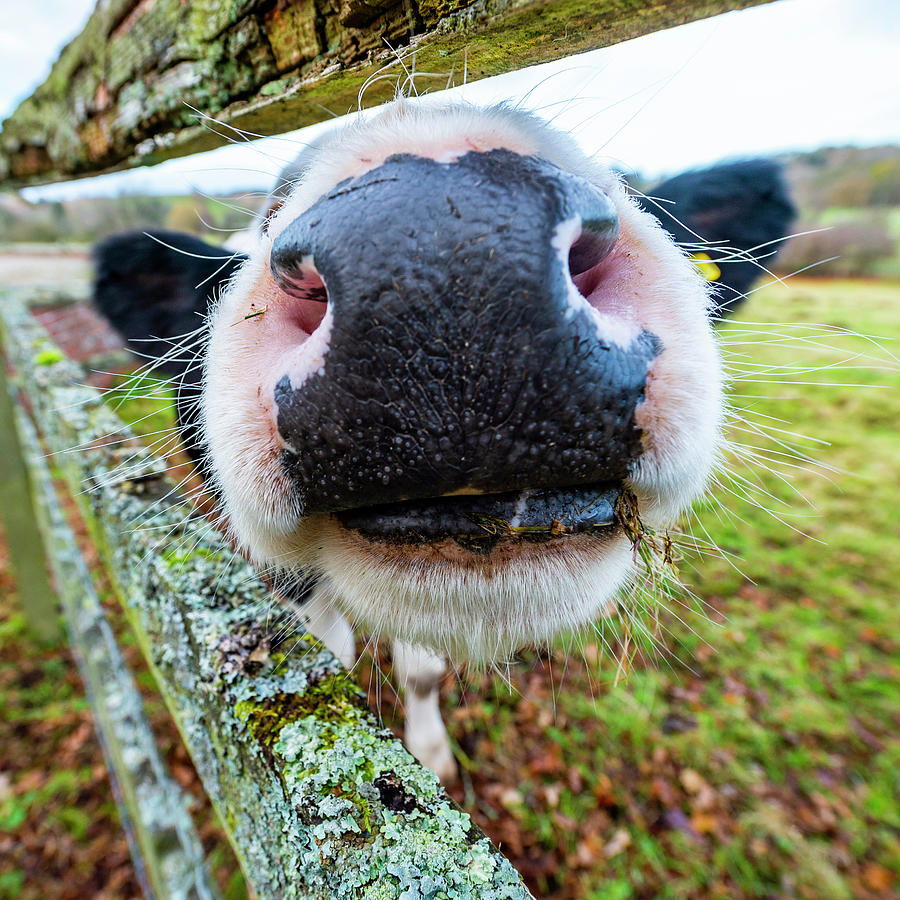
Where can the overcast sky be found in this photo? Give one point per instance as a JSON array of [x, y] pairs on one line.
[[790, 75]]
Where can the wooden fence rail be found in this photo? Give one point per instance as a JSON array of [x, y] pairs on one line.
[[132, 87], [164, 844], [317, 798]]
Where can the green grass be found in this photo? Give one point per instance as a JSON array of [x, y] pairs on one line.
[[784, 687]]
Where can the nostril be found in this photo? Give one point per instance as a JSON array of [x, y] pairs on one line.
[[589, 250], [309, 299], [599, 231], [296, 275]]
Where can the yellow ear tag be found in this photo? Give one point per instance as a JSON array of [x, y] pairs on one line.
[[708, 269]]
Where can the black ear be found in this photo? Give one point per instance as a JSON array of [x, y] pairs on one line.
[[154, 287], [736, 211]]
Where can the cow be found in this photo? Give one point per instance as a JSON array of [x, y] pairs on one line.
[[459, 372]]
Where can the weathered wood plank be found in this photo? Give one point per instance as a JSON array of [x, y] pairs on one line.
[[23, 538], [165, 846], [125, 91], [318, 799]]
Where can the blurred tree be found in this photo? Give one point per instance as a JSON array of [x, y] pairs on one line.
[[184, 215], [885, 183], [852, 249]]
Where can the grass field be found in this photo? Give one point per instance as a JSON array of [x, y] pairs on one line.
[[754, 749], [756, 752]]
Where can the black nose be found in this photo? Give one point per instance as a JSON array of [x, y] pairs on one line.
[[459, 354]]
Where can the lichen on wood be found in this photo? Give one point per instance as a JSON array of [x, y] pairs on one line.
[[318, 799], [130, 88]]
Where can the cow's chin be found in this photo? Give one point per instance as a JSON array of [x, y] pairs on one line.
[[473, 606]]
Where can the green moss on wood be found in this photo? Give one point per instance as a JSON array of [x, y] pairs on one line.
[[48, 357], [293, 34], [335, 700], [182, 555]]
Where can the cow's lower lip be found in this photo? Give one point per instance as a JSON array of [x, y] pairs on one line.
[[480, 521]]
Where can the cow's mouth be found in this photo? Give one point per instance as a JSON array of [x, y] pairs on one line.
[[478, 522]]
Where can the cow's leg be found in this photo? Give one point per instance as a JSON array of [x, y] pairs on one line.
[[419, 672], [323, 620]]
